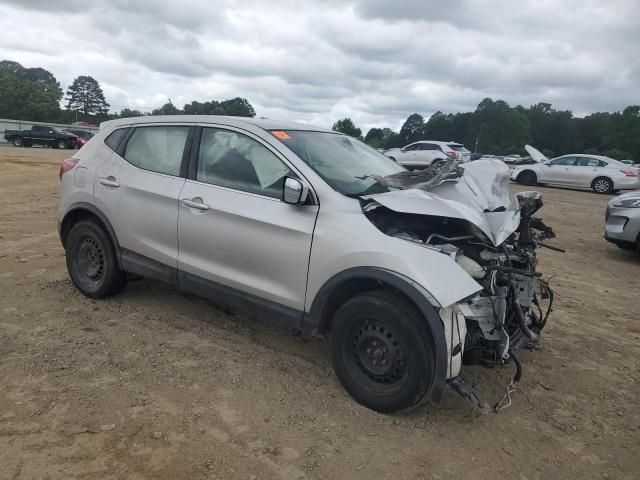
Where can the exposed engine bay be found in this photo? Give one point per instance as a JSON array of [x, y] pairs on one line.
[[493, 237]]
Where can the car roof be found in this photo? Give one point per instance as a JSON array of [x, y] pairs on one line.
[[264, 123], [586, 155]]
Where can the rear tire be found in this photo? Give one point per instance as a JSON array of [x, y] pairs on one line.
[[61, 144], [382, 351], [527, 178], [437, 165], [602, 185], [91, 261], [17, 142]]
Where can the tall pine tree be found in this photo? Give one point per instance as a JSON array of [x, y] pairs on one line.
[[85, 95]]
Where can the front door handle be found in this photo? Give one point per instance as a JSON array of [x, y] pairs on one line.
[[196, 203], [109, 182]]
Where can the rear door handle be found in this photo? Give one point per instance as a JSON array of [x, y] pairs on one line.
[[196, 203], [109, 182]]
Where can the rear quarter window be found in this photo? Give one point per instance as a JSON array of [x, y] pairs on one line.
[[114, 138]]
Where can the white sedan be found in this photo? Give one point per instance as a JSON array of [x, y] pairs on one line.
[[601, 174]]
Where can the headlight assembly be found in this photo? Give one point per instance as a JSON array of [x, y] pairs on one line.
[[627, 203]]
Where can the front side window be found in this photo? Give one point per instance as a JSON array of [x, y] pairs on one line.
[[564, 161], [157, 149], [409, 148], [234, 160], [346, 164]]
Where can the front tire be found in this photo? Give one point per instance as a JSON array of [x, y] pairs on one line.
[[527, 178], [602, 185], [91, 261], [382, 351], [61, 144]]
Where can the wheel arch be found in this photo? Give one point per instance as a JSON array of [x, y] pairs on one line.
[[351, 282], [85, 211], [609, 179], [524, 171]]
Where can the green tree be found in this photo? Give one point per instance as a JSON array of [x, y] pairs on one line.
[[552, 129], [128, 113], [28, 93], [167, 109], [412, 130], [375, 137], [347, 127], [499, 128], [623, 133], [85, 95], [237, 107]]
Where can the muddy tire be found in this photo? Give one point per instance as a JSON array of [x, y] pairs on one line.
[[527, 178], [382, 351], [602, 185], [91, 261]]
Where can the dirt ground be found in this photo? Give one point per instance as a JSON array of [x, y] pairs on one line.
[[157, 384]]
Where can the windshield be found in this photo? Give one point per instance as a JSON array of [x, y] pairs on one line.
[[345, 163]]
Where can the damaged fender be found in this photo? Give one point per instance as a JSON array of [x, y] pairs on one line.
[[480, 196]]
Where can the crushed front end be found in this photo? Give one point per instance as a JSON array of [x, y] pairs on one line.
[[469, 216]]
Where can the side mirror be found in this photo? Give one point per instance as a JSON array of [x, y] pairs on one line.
[[294, 191]]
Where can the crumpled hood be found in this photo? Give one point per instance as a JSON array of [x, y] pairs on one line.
[[475, 196]]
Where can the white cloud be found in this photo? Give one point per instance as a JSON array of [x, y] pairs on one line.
[[316, 61]]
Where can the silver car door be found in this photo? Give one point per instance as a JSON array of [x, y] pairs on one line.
[[558, 171], [233, 228], [410, 154], [138, 188], [587, 169]]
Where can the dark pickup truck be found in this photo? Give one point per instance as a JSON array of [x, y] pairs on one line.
[[41, 135]]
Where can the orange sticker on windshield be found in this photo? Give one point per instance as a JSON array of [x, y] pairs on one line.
[[280, 134]]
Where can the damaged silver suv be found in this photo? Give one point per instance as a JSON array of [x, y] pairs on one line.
[[410, 274]]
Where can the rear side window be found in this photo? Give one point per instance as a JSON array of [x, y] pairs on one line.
[[157, 149], [457, 147], [114, 138], [588, 162]]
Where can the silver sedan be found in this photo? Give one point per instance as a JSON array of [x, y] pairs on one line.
[[622, 221], [601, 174]]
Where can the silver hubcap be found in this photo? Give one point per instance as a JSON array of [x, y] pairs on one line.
[[601, 186]]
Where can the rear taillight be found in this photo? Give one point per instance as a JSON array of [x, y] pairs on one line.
[[67, 165], [452, 154], [630, 172]]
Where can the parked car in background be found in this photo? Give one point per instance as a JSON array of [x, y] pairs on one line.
[[82, 136], [601, 174], [427, 153], [317, 231], [41, 135], [622, 221]]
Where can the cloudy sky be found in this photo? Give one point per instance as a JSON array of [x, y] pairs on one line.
[[376, 61]]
